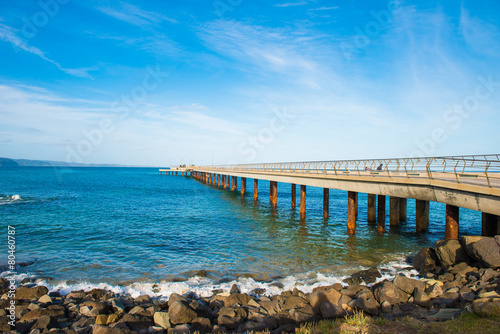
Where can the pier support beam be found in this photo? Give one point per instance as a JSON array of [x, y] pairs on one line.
[[224, 181], [394, 211], [351, 212], [243, 186], [294, 195], [356, 205], [273, 193], [326, 202], [380, 213], [255, 190], [490, 225], [402, 209], [421, 215], [218, 180], [372, 208], [302, 201], [451, 228]]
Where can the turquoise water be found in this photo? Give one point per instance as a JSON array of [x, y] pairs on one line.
[[124, 225]]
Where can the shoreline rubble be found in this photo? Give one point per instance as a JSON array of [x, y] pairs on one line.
[[455, 277]]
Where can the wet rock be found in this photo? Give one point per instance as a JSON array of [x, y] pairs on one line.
[[175, 297], [202, 325], [367, 276], [330, 310], [181, 313], [75, 295], [235, 289], [450, 252], [31, 293], [101, 307], [487, 251], [201, 273], [258, 291], [117, 305], [389, 292], [143, 299], [408, 285], [425, 260]]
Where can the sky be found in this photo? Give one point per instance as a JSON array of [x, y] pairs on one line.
[[161, 83]]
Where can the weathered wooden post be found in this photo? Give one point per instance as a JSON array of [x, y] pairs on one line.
[[302, 201], [381, 214], [421, 215], [451, 228], [351, 212], [372, 210], [326, 202]]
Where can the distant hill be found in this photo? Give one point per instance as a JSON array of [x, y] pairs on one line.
[[6, 162]]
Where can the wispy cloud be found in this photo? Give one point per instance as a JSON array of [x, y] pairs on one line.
[[134, 15], [483, 37], [8, 34], [292, 4], [323, 8]]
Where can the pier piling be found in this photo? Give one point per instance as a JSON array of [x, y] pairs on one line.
[[351, 212], [372, 210], [490, 225], [380, 213], [243, 186], [421, 215], [302, 201], [294, 195], [394, 211], [255, 190], [451, 228], [326, 202], [273, 193]]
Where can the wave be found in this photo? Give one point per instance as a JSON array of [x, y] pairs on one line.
[[205, 287], [9, 199]]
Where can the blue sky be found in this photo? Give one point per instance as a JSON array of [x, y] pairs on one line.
[[239, 81]]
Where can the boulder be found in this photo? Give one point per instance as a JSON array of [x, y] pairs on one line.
[[487, 251], [370, 306], [294, 302], [32, 315], [408, 285], [487, 308], [434, 291], [117, 305], [237, 298], [260, 324], [389, 292], [316, 299], [181, 329], [202, 325], [425, 260], [467, 242], [136, 322], [100, 329], [162, 319], [329, 310], [31, 293], [45, 323], [450, 252], [181, 313], [422, 299], [229, 322], [175, 297]]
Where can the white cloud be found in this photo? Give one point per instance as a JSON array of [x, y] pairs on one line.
[[134, 15], [483, 37], [7, 34]]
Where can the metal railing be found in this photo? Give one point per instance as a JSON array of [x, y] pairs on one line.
[[459, 168]]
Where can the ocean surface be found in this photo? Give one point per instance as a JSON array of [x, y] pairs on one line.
[[136, 231]]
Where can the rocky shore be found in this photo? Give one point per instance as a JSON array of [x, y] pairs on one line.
[[455, 277]]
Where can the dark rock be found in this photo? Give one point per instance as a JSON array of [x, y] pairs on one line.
[[329, 310], [31, 293], [100, 329], [201, 273], [390, 293], [202, 325], [180, 313], [408, 284], [229, 322], [370, 306], [425, 260], [261, 324], [366, 276], [450, 252], [143, 299], [235, 289], [258, 291], [272, 307], [201, 309], [33, 315], [467, 242], [288, 328], [45, 322], [303, 314], [284, 318], [181, 329], [352, 290], [136, 322], [219, 330], [237, 298], [175, 297], [486, 308], [487, 251]]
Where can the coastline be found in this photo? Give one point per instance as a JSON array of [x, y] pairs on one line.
[[449, 284]]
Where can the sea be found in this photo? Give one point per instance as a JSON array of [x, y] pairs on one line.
[[134, 231]]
